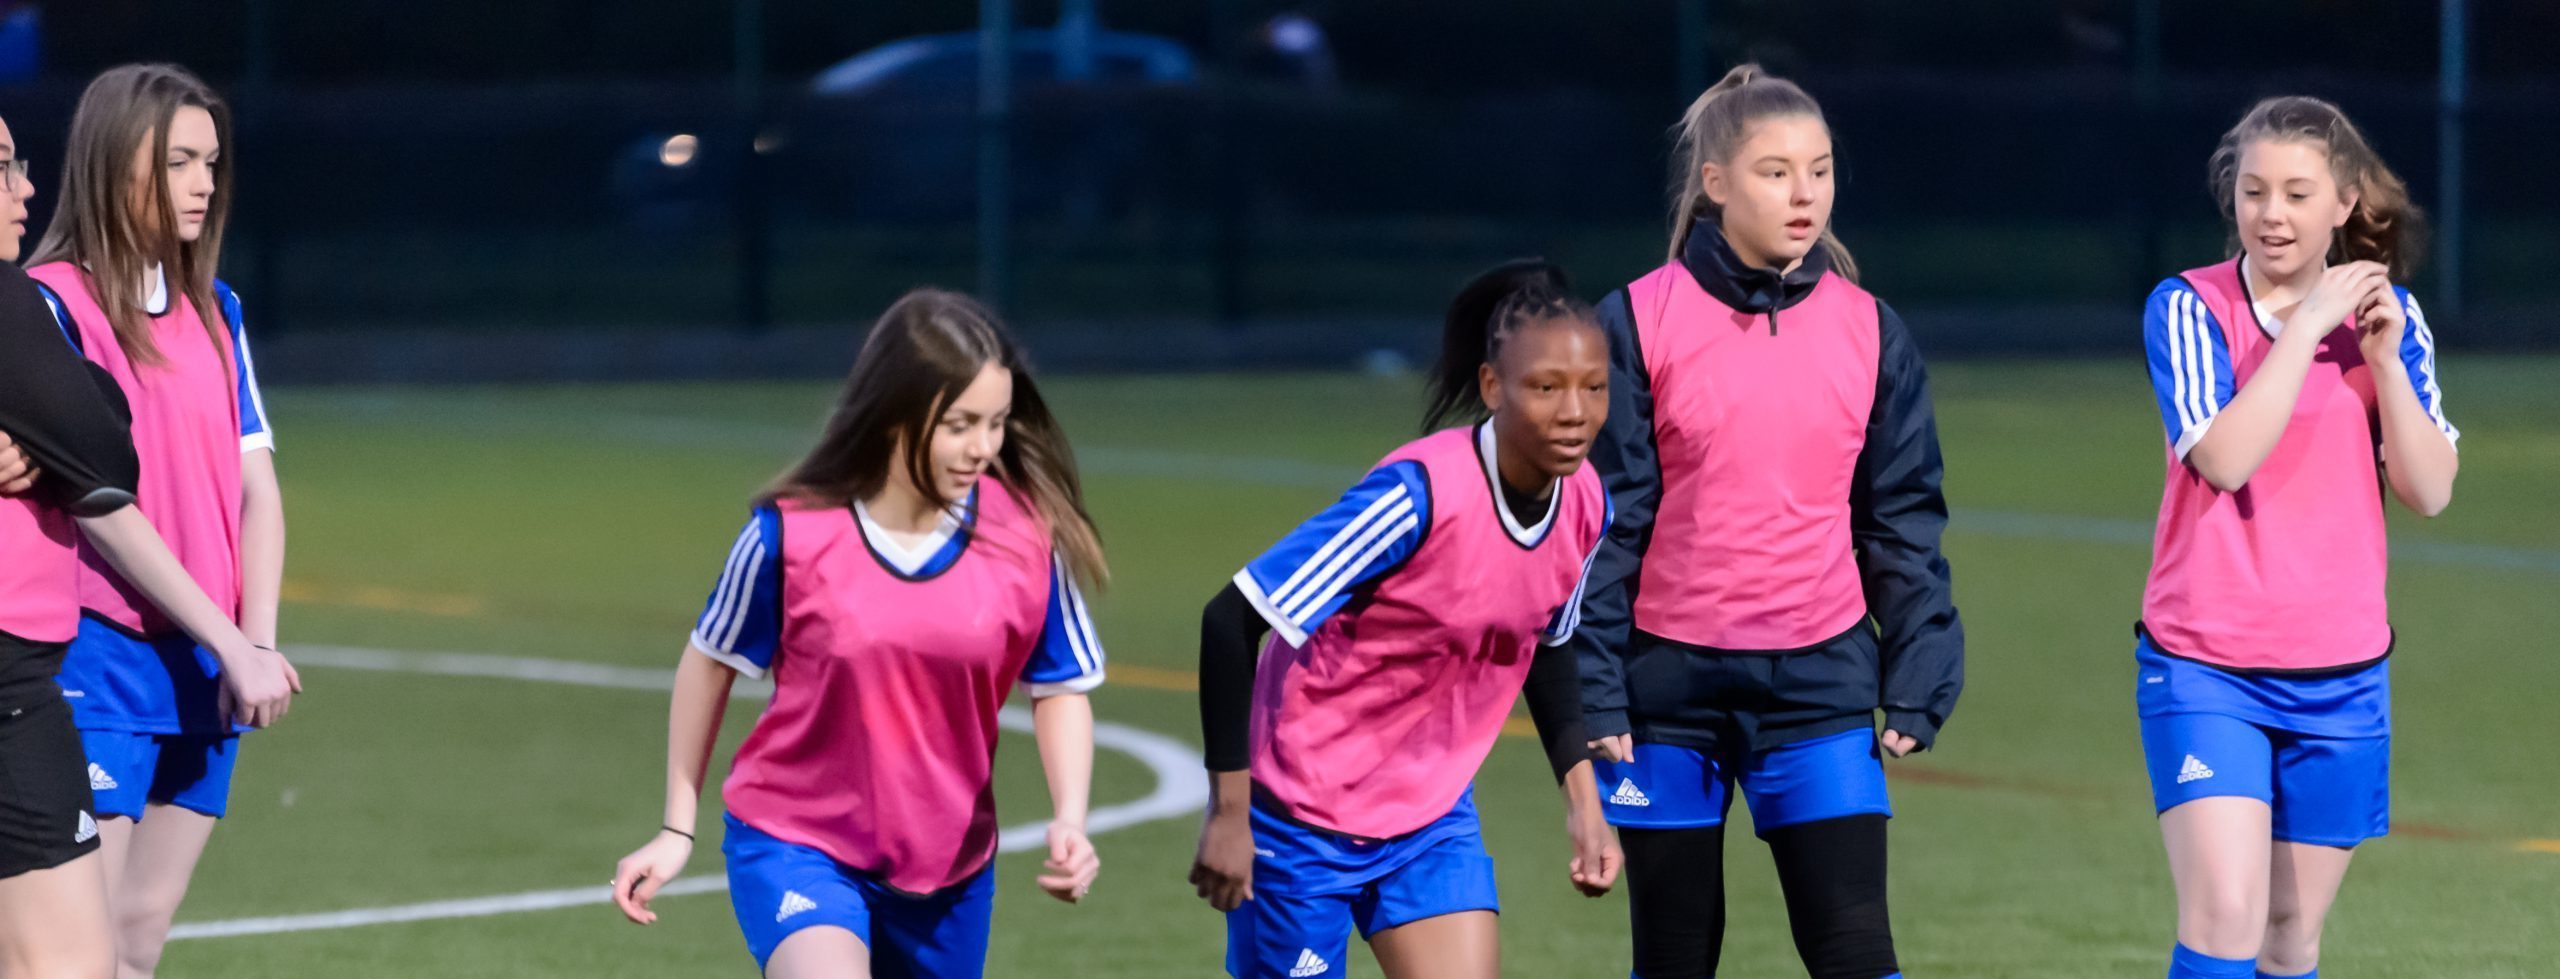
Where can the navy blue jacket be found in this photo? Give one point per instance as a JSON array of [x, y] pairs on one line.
[[1898, 511]]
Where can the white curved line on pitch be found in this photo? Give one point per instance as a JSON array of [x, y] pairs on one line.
[[1181, 788]]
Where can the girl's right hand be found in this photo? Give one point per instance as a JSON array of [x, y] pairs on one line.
[[2343, 291], [17, 473], [1222, 873], [637, 878], [257, 686]]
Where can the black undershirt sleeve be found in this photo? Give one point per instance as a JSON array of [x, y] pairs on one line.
[[1230, 632], [1554, 692]]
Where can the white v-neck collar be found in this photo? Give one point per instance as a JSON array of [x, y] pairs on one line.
[[2267, 321], [1526, 536], [156, 301], [908, 560]]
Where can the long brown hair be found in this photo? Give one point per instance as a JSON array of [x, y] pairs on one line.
[[1712, 131], [926, 350], [2385, 226], [94, 224]]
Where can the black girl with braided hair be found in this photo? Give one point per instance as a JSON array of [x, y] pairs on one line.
[[1401, 624]]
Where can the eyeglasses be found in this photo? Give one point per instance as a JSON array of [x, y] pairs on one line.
[[13, 173]]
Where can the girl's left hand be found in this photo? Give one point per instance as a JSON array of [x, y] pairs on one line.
[[1897, 743], [2380, 325], [1072, 863], [1596, 856]]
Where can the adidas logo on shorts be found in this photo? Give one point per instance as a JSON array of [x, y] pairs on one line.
[[88, 828], [99, 780], [2193, 770], [1309, 964], [1628, 794], [793, 903]]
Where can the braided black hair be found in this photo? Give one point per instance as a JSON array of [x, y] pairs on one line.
[[1487, 311]]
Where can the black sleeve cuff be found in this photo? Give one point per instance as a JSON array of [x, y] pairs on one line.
[[1917, 724], [1597, 724], [99, 503]]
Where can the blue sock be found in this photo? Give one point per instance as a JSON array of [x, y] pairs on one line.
[[2187, 963], [2313, 974]]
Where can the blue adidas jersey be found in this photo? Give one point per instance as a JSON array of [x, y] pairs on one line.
[[741, 622], [1315, 569], [2191, 374], [255, 433]]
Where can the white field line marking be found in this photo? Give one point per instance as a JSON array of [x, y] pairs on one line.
[[1180, 787]]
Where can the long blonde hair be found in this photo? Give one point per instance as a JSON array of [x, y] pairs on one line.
[[1713, 130], [926, 349], [2385, 226], [94, 222]]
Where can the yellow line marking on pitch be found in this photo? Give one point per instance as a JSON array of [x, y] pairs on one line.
[[2539, 846], [1152, 678], [380, 598]]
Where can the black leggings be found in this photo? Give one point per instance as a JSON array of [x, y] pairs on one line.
[[1833, 874]]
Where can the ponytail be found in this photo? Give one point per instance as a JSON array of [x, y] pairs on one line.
[[1713, 129], [1488, 310]]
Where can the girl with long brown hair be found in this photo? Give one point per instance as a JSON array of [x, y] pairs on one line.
[[129, 261], [2286, 375], [897, 583]]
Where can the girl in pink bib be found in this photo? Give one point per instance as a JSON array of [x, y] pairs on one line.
[[129, 262], [897, 585], [2285, 377], [1775, 580], [1403, 622], [69, 419]]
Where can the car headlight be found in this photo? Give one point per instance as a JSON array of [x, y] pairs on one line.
[[679, 151]]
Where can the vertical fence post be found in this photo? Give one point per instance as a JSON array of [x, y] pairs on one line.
[[747, 199], [2150, 160], [2451, 98], [1692, 37], [257, 106], [1226, 184], [995, 168]]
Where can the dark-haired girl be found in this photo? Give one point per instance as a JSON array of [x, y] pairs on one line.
[[897, 583], [2286, 376], [1774, 578], [71, 417], [1403, 622]]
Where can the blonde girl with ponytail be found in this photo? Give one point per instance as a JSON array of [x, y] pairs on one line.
[[1773, 580]]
